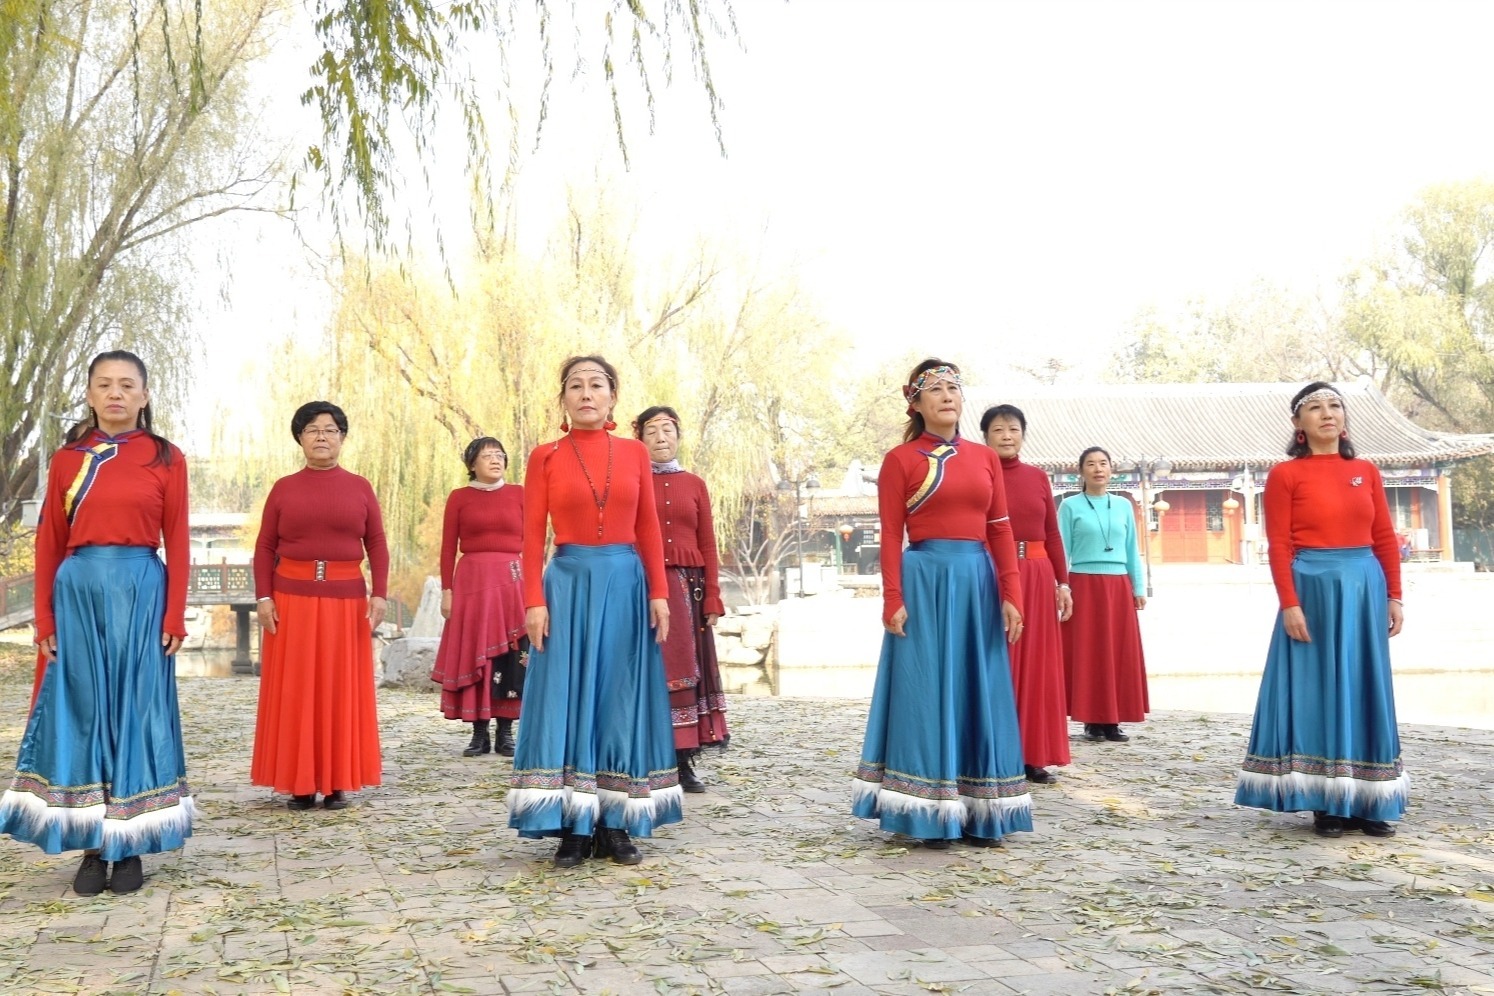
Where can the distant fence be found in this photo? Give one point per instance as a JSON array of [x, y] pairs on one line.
[[1476, 545]]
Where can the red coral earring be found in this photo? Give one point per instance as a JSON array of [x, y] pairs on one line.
[[565, 425], [609, 425], [1301, 438]]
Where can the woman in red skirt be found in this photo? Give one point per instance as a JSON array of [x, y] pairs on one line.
[[1103, 665], [318, 725], [1037, 658], [697, 705], [483, 653]]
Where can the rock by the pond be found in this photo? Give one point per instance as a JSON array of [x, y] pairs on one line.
[[407, 663]]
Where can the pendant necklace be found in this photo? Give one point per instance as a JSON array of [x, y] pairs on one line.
[[1104, 522], [601, 500]]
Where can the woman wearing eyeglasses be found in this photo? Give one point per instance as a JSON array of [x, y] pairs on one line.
[[318, 728]]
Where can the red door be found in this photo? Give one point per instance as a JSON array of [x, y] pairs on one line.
[[1185, 536]]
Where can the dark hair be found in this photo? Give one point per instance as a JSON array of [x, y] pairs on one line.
[[1095, 449], [1302, 449], [308, 412], [609, 369], [1002, 411], [474, 450], [915, 426], [649, 414], [144, 421]]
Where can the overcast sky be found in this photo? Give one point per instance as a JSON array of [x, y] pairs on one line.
[[1009, 179]]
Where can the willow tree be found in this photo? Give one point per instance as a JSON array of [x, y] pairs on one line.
[[122, 126]]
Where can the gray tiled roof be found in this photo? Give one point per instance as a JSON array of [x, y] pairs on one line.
[[1203, 426]]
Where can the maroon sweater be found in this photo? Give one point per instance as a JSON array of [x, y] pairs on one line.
[[479, 521], [321, 515], [684, 506], [1029, 499]]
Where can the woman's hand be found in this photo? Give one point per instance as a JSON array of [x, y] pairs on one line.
[[1140, 602], [1295, 624], [48, 646], [1397, 616], [446, 603], [1065, 604], [658, 618], [711, 618], [1011, 621], [269, 619], [537, 625], [898, 621], [171, 642], [376, 609]]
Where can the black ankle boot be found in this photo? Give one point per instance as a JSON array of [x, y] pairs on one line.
[[689, 781], [480, 743], [573, 850], [615, 844], [505, 738]]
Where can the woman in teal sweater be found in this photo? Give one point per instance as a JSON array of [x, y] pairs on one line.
[[1102, 658]]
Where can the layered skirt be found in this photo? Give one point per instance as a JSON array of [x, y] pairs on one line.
[[483, 654], [101, 764], [697, 704], [1037, 669], [942, 756], [317, 731], [595, 746], [1324, 736], [1104, 668]]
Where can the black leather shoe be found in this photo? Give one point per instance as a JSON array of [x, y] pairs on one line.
[[1041, 776], [299, 802], [505, 745], [127, 876], [1370, 828], [975, 841], [91, 877], [936, 843], [480, 743], [1114, 735], [573, 850], [689, 781], [617, 845], [336, 800], [1094, 732], [1327, 826]]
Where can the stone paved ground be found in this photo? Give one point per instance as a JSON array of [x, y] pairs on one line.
[[1140, 878]]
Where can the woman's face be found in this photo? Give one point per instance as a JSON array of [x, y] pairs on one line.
[[1096, 472], [1004, 435], [940, 404], [1322, 420], [588, 397], [489, 465], [321, 441], [117, 395], [662, 437]]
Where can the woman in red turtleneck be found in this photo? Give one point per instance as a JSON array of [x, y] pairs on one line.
[[318, 726], [595, 760], [1037, 658]]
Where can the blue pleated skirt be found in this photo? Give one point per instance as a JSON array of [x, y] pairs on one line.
[[1324, 736], [595, 745], [101, 763], [943, 752]]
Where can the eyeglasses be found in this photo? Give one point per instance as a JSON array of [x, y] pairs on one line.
[[312, 432]]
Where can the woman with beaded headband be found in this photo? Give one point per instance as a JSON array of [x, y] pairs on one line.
[[595, 764], [942, 757], [1324, 738], [1104, 665], [696, 700], [483, 653], [101, 766]]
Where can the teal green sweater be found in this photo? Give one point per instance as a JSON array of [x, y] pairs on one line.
[[1087, 525]]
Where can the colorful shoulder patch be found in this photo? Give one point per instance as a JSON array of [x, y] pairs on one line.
[[94, 457], [934, 477]]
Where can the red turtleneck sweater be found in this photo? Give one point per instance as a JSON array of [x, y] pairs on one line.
[[481, 521], [564, 490], [1029, 498], [967, 503], [321, 515]]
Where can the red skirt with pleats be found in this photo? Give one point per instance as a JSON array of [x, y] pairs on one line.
[[1104, 669], [1037, 670], [318, 726], [483, 641]]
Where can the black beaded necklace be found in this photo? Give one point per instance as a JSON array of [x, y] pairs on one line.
[[1104, 522], [601, 500]]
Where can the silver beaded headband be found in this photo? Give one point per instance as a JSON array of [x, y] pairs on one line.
[[1321, 394], [929, 378]]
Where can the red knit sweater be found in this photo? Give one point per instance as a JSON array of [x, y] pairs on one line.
[[968, 503], [1029, 498], [684, 507], [556, 490], [321, 515], [119, 500], [1325, 502], [481, 522]]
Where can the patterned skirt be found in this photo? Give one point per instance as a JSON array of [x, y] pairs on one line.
[[483, 654], [697, 704], [1324, 736], [942, 755]]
